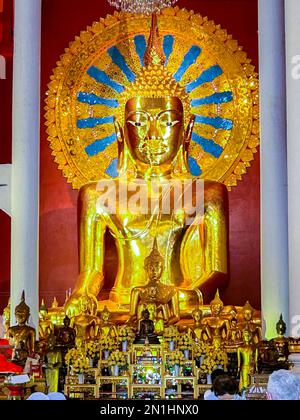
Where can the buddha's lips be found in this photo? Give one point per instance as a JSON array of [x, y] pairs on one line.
[[154, 148]]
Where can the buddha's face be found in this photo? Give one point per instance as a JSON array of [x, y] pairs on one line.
[[154, 129], [67, 322], [216, 309], [247, 315], [154, 270], [84, 305], [22, 317], [247, 336], [197, 315], [43, 315], [105, 316]]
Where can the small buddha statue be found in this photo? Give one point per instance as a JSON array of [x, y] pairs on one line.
[[216, 324], [22, 336], [105, 328], [281, 342], [85, 324], [66, 335], [247, 360], [155, 296], [45, 325], [197, 329], [249, 324], [146, 334], [53, 363], [235, 334], [6, 318]]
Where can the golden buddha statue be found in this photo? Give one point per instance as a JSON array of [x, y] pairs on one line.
[[53, 363], [235, 334], [6, 317], [247, 360], [216, 325], [45, 325], [22, 336], [196, 331], [249, 323], [161, 300], [105, 328], [85, 324], [154, 129]]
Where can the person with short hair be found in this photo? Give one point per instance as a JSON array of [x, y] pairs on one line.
[[283, 385], [226, 388], [210, 394]]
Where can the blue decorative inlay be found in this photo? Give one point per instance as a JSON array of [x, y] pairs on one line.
[[207, 76], [92, 99], [194, 167], [101, 77], [100, 145], [140, 47], [93, 122], [112, 169], [209, 146], [216, 98], [216, 122], [189, 59], [168, 47], [119, 60]]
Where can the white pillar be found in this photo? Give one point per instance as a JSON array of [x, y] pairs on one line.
[[292, 10], [274, 230], [25, 156]]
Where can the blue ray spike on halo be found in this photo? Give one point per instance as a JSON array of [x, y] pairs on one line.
[[112, 169], [194, 167], [216, 98], [100, 145], [92, 99], [189, 59], [93, 122], [209, 146], [208, 75], [119, 60], [217, 122], [101, 77], [168, 47], [140, 47]]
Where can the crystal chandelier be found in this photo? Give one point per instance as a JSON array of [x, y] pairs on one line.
[[141, 6]]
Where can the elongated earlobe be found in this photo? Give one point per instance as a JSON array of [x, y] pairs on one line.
[[188, 133]]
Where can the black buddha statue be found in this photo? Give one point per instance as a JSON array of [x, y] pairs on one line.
[[146, 333]]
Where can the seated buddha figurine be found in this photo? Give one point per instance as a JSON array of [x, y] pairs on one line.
[[154, 127], [105, 328], [66, 335], [216, 324], [45, 325], [6, 318], [85, 324], [146, 334], [197, 329], [235, 334], [248, 323], [22, 336], [158, 298], [281, 342]]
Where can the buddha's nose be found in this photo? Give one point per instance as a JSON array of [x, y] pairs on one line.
[[153, 132]]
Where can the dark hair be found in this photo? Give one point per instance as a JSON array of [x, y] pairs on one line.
[[215, 374], [225, 385]]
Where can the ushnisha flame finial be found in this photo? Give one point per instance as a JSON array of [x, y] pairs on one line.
[[154, 54]]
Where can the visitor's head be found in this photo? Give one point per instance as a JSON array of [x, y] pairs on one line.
[[283, 385], [216, 373], [225, 387]]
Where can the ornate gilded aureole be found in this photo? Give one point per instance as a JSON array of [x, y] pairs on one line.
[[100, 68]]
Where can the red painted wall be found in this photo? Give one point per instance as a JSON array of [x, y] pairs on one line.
[[62, 20], [6, 49]]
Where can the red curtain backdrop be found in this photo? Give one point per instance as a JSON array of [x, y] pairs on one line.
[[62, 21]]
